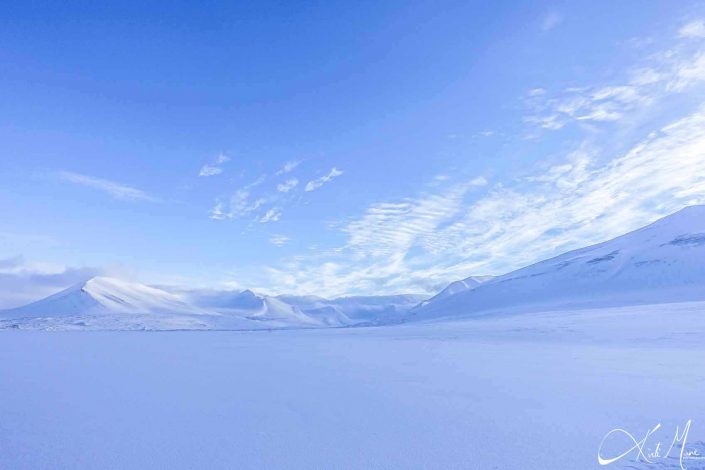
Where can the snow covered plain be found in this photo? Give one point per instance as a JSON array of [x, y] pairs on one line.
[[530, 391]]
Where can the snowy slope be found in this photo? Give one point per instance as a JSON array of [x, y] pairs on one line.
[[253, 306], [663, 262], [103, 295], [377, 309], [106, 303], [460, 286], [357, 309]]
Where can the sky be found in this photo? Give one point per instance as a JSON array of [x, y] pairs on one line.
[[337, 148]]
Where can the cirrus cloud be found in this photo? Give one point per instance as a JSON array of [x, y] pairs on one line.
[[116, 190], [318, 182]]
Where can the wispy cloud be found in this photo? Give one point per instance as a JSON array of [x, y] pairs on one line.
[[693, 29], [551, 20], [318, 182], [479, 181], [214, 168], [671, 70], [422, 243], [239, 204], [288, 185], [116, 190], [279, 240], [288, 167], [593, 192], [272, 215]]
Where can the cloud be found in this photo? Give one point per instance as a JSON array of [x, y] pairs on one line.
[[272, 215], [210, 170], [22, 282], [116, 190], [215, 168], [318, 182], [479, 181], [451, 229], [279, 240], [693, 29], [218, 211], [288, 167], [288, 185], [551, 20], [240, 203], [674, 69], [422, 243]]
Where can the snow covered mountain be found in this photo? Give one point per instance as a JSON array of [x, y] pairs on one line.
[[357, 310], [103, 295], [106, 303], [252, 306], [662, 262], [460, 286]]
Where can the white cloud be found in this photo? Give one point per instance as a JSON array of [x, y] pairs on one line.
[[288, 185], [551, 20], [288, 167], [694, 29], [687, 74], [422, 243], [210, 170], [479, 181], [645, 76], [272, 215], [453, 230], [279, 240], [239, 204], [215, 168], [116, 190], [318, 182], [672, 70], [218, 211]]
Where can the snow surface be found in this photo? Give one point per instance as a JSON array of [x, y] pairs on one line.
[[535, 391]]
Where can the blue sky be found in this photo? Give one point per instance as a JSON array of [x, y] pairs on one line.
[[337, 147]]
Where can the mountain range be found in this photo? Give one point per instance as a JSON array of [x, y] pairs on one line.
[[663, 262]]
